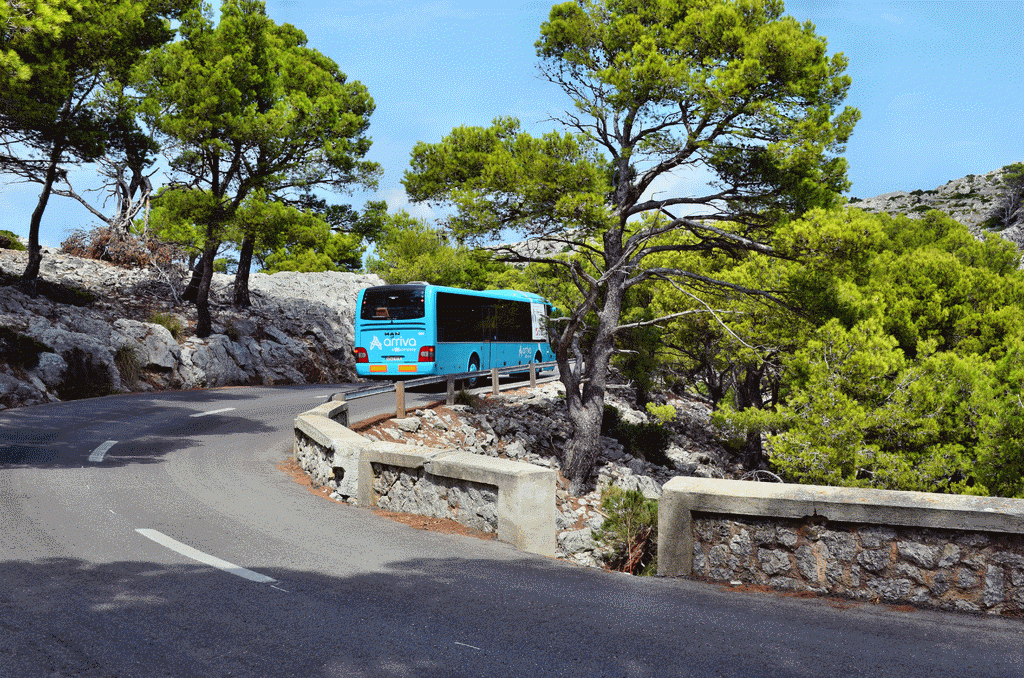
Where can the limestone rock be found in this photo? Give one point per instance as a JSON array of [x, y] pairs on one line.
[[299, 328]]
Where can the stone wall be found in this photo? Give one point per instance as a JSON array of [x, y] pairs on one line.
[[950, 552], [416, 491], [944, 569], [513, 499]]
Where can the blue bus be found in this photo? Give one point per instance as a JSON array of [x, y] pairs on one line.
[[418, 329]]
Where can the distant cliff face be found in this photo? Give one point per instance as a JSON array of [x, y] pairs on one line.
[[969, 200], [126, 333]]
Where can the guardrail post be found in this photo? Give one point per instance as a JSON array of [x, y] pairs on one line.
[[494, 380], [533, 376], [400, 400], [450, 399]]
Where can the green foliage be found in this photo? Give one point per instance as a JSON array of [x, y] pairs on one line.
[[464, 397], [10, 241], [170, 322], [250, 110], [18, 350], [85, 377], [731, 86], [663, 413], [639, 349], [647, 441], [290, 239], [225, 265], [128, 363], [59, 110], [630, 529], [18, 18], [178, 216], [903, 374], [408, 249], [232, 332]]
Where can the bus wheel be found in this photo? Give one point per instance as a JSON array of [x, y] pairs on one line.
[[474, 366]]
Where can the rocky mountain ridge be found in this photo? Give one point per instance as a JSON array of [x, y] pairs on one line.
[[969, 200]]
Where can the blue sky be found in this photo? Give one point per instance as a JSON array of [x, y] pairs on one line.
[[939, 83]]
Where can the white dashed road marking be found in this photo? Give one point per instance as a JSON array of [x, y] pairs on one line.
[[204, 414], [97, 454], [205, 558]]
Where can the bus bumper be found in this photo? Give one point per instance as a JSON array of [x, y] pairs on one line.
[[395, 370]]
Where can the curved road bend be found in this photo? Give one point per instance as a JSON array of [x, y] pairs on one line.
[[152, 535]]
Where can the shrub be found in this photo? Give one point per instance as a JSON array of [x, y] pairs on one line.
[[464, 397], [647, 441], [663, 413], [172, 323], [10, 241], [129, 365], [84, 377], [129, 250], [630, 530], [17, 350]]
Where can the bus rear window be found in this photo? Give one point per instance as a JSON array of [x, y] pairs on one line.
[[392, 303]]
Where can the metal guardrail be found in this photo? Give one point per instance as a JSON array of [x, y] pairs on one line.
[[398, 387]]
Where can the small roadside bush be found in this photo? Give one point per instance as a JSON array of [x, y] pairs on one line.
[[17, 350], [128, 363], [647, 441], [84, 377], [663, 413], [464, 397], [170, 322], [10, 241], [630, 530]]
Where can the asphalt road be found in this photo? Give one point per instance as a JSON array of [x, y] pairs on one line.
[[96, 576]]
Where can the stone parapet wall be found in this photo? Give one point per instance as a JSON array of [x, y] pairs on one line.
[[416, 491], [514, 499], [944, 569], [948, 552]]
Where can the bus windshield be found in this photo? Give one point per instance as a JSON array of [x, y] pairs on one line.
[[392, 303]]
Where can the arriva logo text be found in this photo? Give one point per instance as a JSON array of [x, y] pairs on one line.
[[392, 342]]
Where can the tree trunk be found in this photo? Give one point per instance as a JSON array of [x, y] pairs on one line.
[[35, 252], [204, 324], [242, 274], [748, 394], [191, 292], [585, 406]]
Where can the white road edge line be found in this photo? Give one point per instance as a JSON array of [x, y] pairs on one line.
[[97, 454], [203, 414], [465, 645], [205, 558]]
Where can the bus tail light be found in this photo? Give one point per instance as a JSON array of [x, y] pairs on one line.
[[361, 356], [426, 354]]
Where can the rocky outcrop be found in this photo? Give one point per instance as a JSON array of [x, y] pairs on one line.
[[129, 333], [969, 200]]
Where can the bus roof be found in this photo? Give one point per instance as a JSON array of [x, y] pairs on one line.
[[512, 295]]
